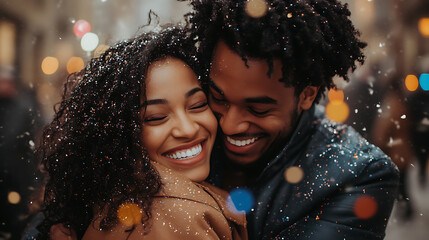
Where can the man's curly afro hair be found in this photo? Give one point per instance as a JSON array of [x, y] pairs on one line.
[[314, 39]]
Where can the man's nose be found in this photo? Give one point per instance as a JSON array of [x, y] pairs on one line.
[[232, 121], [185, 126]]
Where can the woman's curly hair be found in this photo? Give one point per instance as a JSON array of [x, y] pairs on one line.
[[92, 149], [314, 39]]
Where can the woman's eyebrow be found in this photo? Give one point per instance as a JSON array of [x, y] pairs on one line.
[[193, 91], [155, 101]]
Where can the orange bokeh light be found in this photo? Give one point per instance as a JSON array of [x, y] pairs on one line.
[[411, 82], [130, 214], [335, 95], [424, 26], [256, 8], [337, 111], [100, 50], [294, 174], [13, 197], [365, 207], [49, 65], [75, 64]]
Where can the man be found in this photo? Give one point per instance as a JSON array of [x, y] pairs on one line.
[[270, 62]]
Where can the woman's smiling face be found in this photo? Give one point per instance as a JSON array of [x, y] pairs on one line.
[[179, 128]]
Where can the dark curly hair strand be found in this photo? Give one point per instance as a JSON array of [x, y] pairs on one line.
[[92, 150], [314, 39]]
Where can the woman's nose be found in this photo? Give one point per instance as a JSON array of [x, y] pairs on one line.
[[185, 126]]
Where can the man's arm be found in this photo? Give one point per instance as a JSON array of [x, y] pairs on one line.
[[338, 217]]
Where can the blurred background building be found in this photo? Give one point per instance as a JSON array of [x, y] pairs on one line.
[[42, 41]]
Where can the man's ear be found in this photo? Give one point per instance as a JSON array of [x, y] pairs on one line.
[[307, 96]]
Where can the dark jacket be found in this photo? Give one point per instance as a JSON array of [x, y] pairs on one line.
[[340, 167]]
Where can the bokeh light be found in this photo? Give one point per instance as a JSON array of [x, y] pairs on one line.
[[424, 81], [365, 207], [89, 41], [256, 8], [75, 64], [335, 95], [49, 65], [13, 197], [130, 214], [337, 111], [100, 50], [411, 82], [424, 26], [294, 174], [240, 199], [81, 27]]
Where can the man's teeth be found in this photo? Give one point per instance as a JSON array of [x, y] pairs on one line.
[[241, 142], [188, 153]]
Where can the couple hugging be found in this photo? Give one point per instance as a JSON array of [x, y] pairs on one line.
[[131, 152]]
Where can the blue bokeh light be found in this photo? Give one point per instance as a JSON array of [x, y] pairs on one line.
[[242, 199], [424, 81]]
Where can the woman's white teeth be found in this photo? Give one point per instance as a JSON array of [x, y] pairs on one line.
[[241, 142], [188, 153]]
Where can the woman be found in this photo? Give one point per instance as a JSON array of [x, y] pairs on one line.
[[129, 146]]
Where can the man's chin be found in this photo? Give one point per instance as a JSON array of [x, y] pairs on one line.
[[241, 159]]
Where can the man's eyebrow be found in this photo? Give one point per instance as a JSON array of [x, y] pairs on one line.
[[215, 87], [263, 99], [154, 101], [193, 91]]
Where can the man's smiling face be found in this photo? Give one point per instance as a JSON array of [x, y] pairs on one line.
[[256, 112]]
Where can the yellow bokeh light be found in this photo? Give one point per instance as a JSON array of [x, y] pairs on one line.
[[256, 8], [100, 50], [13, 197], [337, 111], [335, 95], [411, 82], [130, 214], [294, 174], [75, 64], [49, 65], [424, 26]]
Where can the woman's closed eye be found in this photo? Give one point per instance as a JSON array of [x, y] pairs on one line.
[[154, 119], [199, 106]]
